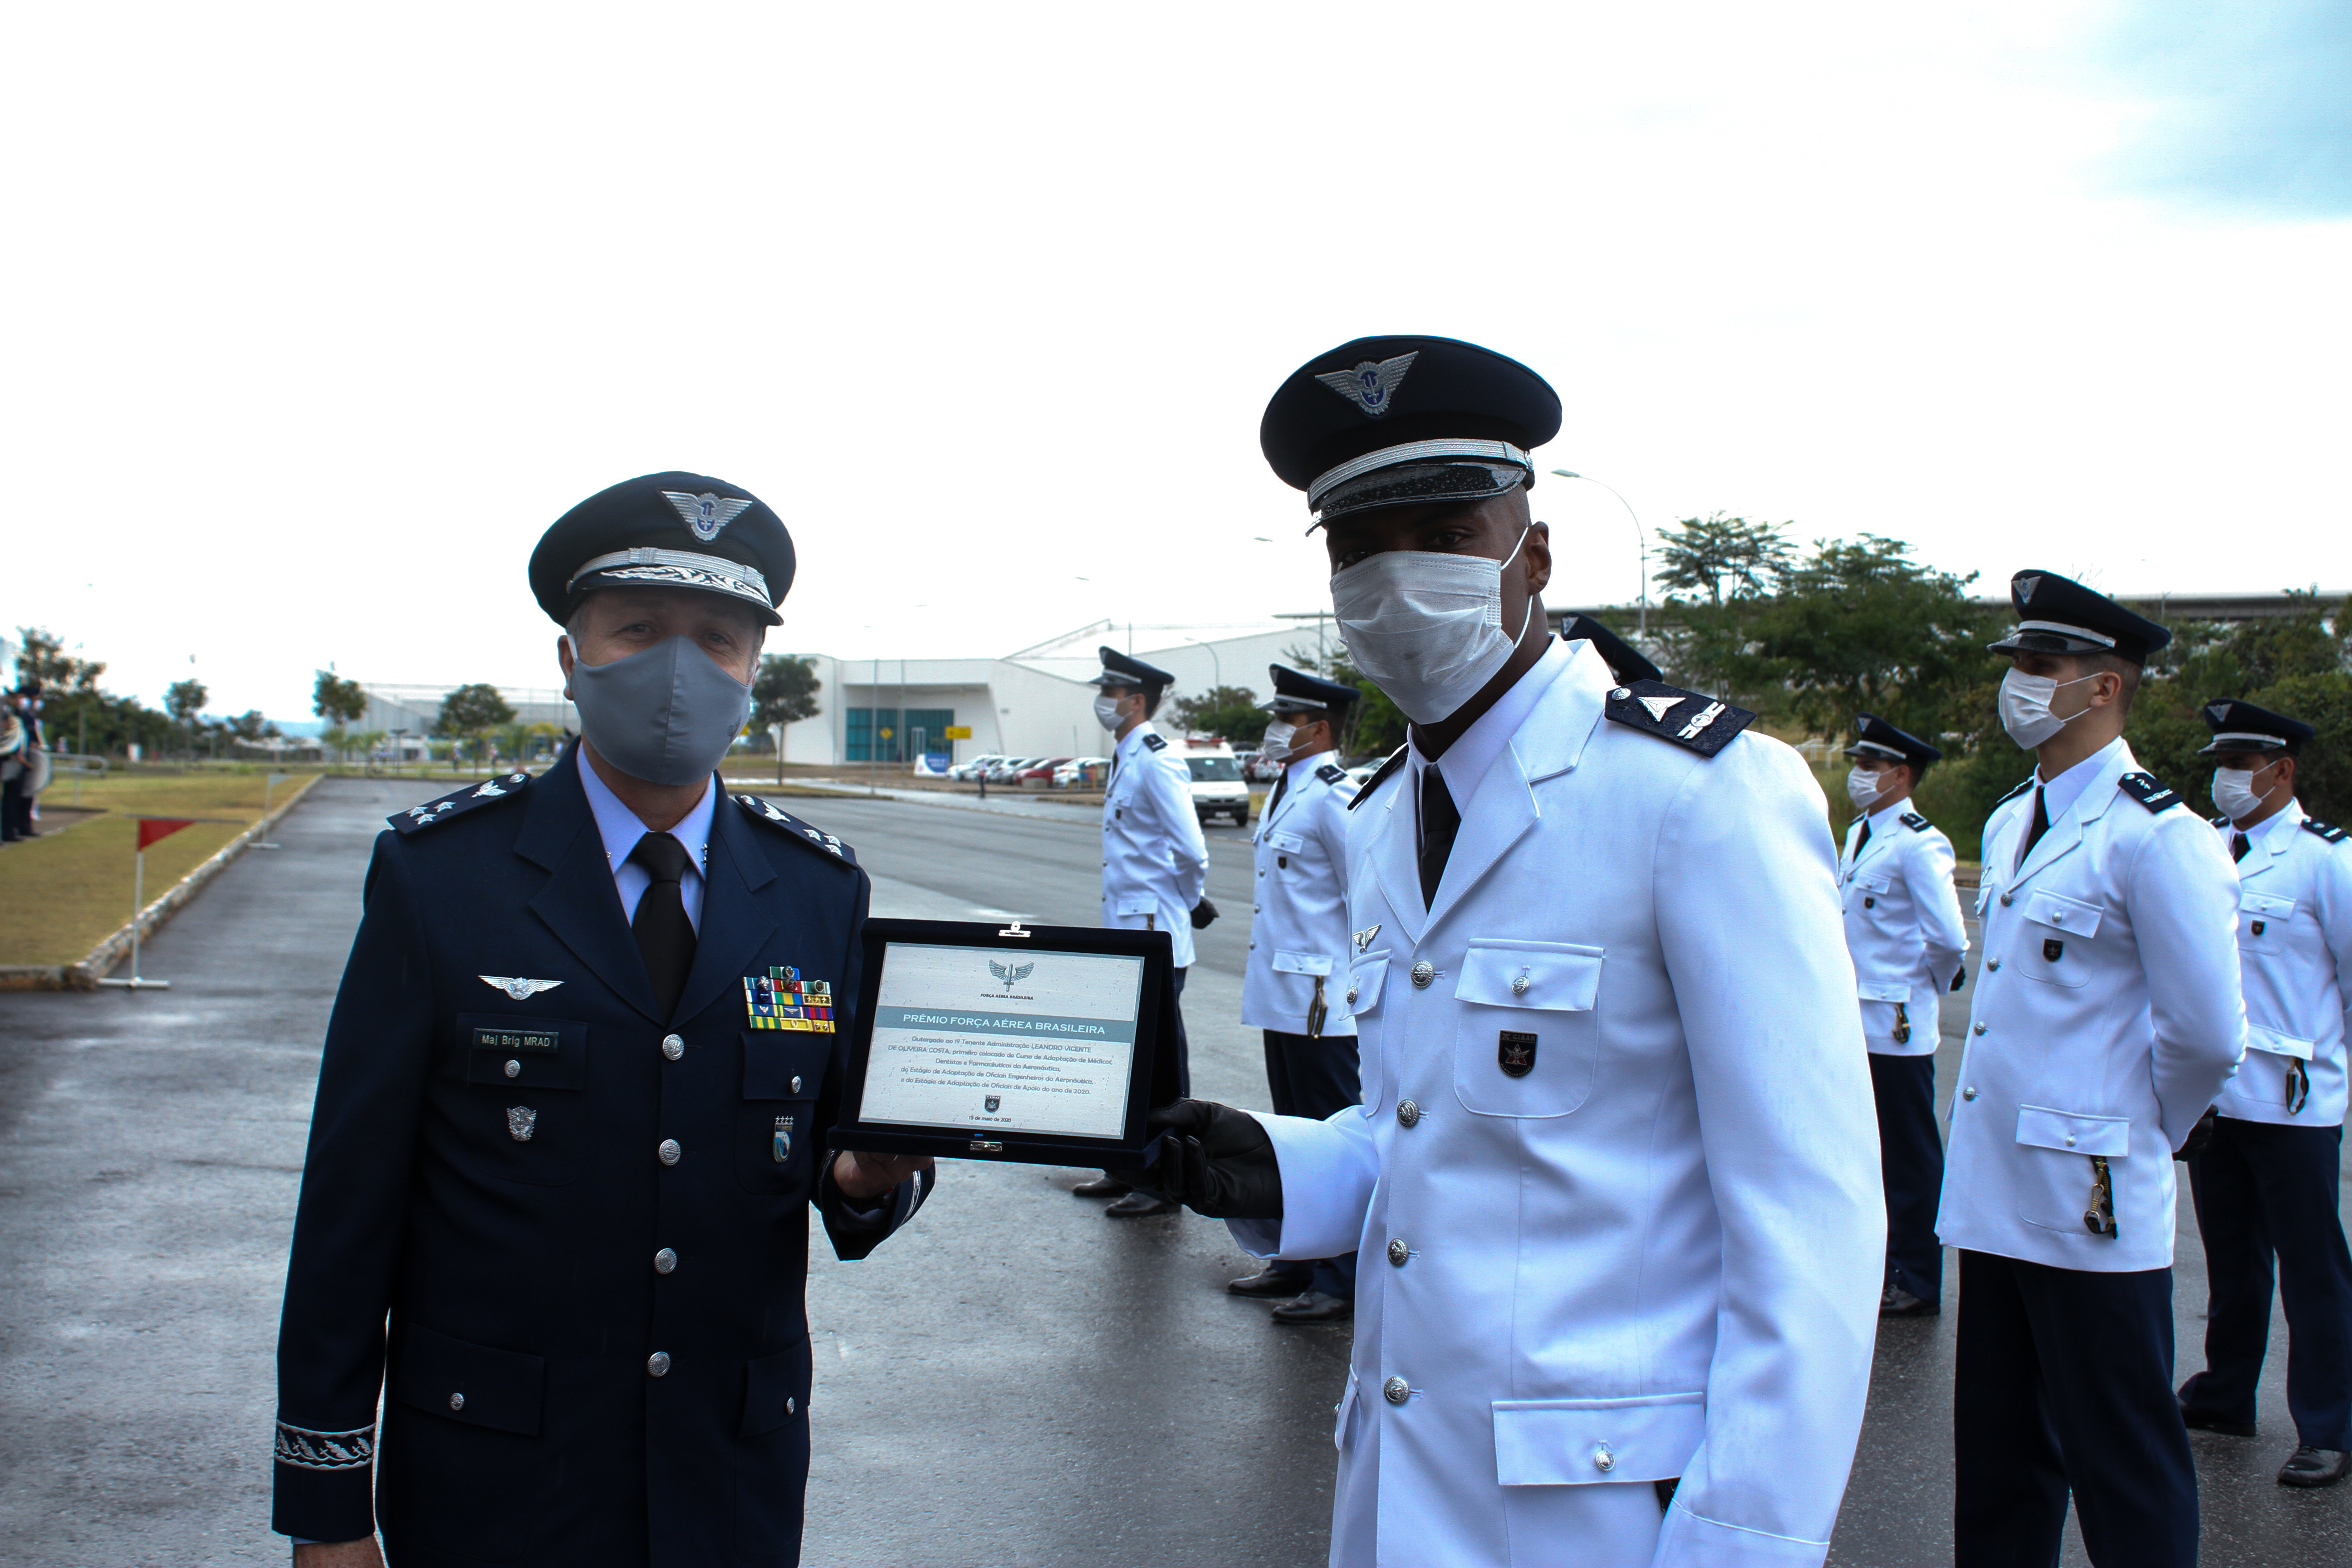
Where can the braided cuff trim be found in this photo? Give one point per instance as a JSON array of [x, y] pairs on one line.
[[308, 1450]]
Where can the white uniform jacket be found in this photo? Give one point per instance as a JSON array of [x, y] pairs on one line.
[[1652, 1251], [2106, 1018], [1299, 930], [2295, 952], [1155, 862], [1903, 926]]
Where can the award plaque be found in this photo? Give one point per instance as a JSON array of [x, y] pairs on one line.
[[1040, 1045]]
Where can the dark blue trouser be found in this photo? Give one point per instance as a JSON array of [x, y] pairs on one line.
[[1313, 1077], [2265, 1191], [1911, 1163], [2063, 1382]]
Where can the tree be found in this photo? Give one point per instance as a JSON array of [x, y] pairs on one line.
[[1724, 557], [468, 710], [339, 701], [784, 691], [1230, 713], [250, 727], [183, 700], [1375, 726]]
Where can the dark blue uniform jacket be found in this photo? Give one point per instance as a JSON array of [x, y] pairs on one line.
[[521, 1421]]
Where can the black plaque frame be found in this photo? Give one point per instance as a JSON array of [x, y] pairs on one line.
[[1151, 1075]]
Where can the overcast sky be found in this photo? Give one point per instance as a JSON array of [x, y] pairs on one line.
[[316, 317]]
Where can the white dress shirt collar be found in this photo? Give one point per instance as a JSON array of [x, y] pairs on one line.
[[2285, 819], [2058, 794], [1465, 763], [621, 828]]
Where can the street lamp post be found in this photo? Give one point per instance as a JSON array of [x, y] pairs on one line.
[[1641, 537]]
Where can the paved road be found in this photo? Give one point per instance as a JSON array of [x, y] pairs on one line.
[[1012, 1379]]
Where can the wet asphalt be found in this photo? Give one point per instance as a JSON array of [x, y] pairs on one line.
[[1012, 1379]]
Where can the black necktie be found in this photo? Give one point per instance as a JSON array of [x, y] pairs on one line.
[[664, 934], [1279, 785], [2238, 846], [1861, 840], [2040, 826], [1439, 822]]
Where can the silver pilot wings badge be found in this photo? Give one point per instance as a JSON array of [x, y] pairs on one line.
[[1369, 385], [706, 514], [518, 987]]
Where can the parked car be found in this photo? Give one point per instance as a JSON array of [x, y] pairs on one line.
[[1009, 769], [975, 766], [1042, 770], [1082, 772], [1218, 788], [1257, 767]]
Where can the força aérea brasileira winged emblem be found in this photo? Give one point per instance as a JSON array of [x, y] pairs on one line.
[[518, 987], [1010, 973], [706, 514], [1369, 385]]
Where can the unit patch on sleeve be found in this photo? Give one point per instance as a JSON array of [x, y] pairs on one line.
[[1155, 743], [2144, 789], [1915, 822], [780, 999], [1686, 718], [2332, 835], [459, 801], [1331, 774], [816, 839]]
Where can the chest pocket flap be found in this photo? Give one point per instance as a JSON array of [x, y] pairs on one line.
[[1136, 904], [1364, 978], [2072, 916], [1554, 975], [1289, 843], [1877, 882], [1301, 962], [2262, 906], [2278, 1045]]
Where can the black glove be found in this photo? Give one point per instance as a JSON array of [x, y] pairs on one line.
[[2199, 1136], [1959, 977], [1215, 1161], [1203, 913]]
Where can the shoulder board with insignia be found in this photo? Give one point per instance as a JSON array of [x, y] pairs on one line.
[[1915, 822], [1379, 776], [792, 827], [1686, 717], [2144, 789], [457, 804], [2327, 831], [2020, 790], [1331, 774], [1155, 742], [2224, 820]]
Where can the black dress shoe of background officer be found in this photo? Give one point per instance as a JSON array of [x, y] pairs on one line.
[[1896, 1303], [1270, 1281], [1314, 1307], [2315, 1468], [1103, 1186], [1215, 1161], [2197, 1420], [1140, 1205]]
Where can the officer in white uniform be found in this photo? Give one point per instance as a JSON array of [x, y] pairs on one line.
[[1298, 954], [2268, 1185], [1903, 926], [2106, 1020], [1614, 1181], [1155, 860]]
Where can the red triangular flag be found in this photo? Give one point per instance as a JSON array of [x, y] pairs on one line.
[[150, 829]]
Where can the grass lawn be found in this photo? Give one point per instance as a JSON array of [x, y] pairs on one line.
[[61, 893]]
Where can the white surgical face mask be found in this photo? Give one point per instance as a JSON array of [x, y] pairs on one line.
[[1860, 787], [1107, 710], [1426, 625], [2025, 707], [1275, 747], [2234, 792]]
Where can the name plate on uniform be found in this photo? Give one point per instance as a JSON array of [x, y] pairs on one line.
[[515, 1039], [1034, 1044]]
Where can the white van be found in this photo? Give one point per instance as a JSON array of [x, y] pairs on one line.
[[1218, 787]]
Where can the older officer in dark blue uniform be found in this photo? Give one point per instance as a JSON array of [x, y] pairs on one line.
[[571, 1111]]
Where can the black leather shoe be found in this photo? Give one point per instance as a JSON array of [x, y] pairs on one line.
[[1269, 1282], [1314, 1307], [1141, 1206], [2315, 1468], [2197, 1420], [1102, 1186], [1896, 1303]]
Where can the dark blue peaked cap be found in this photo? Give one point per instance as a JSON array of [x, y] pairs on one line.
[[1296, 689], [1401, 421], [1875, 737], [2058, 615], [2243, 727], [1126, 670], [666, 530]]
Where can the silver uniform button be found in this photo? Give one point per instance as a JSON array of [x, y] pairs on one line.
[[1519, 985], [1622, 692], [2007, 899], [514, 1069], [1422, 973], [1975, 1029], [796, 1083], [1970, 1092], [1396, 1390], [456, 1402], [657, 1364], [791, 1406], [1407, 1113], [1994, 966], [669, 1152], [1398, 1251], [1353, 991], [2070, 1139], [673, 1046], [1604, 1458], [664, 1260]]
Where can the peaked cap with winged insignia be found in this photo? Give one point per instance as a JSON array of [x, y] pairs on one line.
[[2058, 615], [1875, 737], [673, 530], [1401, 421], [2241, 726]]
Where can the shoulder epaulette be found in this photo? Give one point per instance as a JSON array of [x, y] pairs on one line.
[[2144, 789], [2224, 820], [2327, 831], [1686, 717], [1156, 742], [457, 804], [1331, 774], [2020, 790], [1379, 775], [1915, 822], [759, 810]]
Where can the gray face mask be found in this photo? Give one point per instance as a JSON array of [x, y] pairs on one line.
[[666, 715]]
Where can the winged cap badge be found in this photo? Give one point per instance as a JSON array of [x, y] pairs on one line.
[[1369, 386], [2025, 586], [2219, 710], [516, 986], [706, 514], [1010, 973]]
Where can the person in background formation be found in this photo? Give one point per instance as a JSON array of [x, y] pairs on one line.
[[1903, 926], [2268, 1186], [572, 1111], [1613, 1184], [1155, 860], [1298, 954], [2106, 1019], [20, 760]]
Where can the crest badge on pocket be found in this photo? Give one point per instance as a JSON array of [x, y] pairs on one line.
[[2052, 949], [521, 1122], [1515, 1052]]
